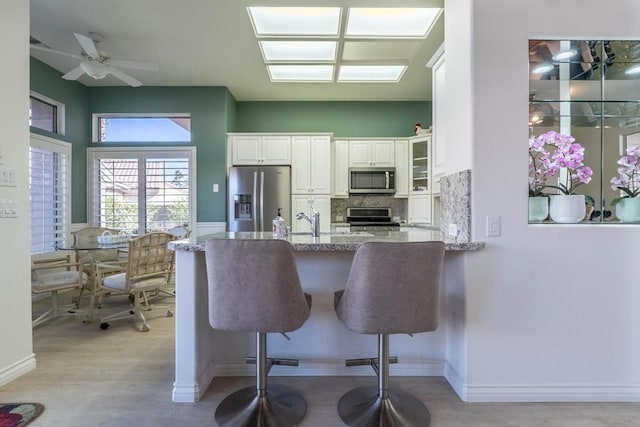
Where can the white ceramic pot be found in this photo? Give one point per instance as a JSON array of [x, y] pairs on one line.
[[628, 210], [567, 209], [538, 209]]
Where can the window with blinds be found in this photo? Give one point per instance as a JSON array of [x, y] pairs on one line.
[[49, 183], [141, 191]]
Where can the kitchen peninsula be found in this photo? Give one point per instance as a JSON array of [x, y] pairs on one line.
[[323, 343]]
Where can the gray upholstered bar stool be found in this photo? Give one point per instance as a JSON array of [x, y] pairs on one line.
[[254, 287], [393, 288]]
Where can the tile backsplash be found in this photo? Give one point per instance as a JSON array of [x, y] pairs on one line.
[[339, 206]]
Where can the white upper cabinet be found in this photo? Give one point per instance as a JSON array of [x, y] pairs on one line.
[[402, 168], [371, 153], [420, 169], [261, 149], [340, 172], [311, 164], [437, 66]]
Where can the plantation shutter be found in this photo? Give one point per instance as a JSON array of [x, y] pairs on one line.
[[49, 182], [139, 192]]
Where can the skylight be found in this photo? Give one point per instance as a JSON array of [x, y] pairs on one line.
[[390, 22], [306, 73], [371, 73], [295, 21], [299, 50], [315, 44]]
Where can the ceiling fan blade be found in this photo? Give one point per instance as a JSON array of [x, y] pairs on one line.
[[136, 65], [88, 45], [59, 52], [124, 77], [74, 74]]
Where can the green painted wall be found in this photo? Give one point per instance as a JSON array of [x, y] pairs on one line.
[[344, 119], [46, 81], [214, 112], [208, 108]]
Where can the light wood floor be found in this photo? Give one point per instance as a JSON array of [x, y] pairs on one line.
[[87, 377]]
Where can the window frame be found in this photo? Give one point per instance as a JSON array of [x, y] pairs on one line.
[[95, 125], [141, 153], [43, 142], [60, 112]]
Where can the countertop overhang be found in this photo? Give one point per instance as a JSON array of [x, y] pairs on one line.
[[333, 241]]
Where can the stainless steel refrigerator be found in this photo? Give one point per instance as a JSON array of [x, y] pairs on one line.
[[255, 195]]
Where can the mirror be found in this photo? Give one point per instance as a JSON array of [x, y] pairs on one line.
[[589, 89]]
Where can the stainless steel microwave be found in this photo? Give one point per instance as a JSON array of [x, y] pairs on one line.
[[372, 180]]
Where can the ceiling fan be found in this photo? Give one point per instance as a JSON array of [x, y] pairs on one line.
[[98, 64]]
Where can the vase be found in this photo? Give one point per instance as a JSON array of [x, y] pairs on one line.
[[628, 210], [538, 209], [567, 209]]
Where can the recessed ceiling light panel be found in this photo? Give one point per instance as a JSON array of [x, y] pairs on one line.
[[295, 21], [564, 55], [297, 51], [542, 68], [301, 73], [371, 73], [634, 69], [390, 22]]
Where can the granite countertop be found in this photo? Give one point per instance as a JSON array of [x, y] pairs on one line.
[[334, 241]]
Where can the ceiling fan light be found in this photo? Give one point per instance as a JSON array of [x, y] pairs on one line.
[[94, 69]]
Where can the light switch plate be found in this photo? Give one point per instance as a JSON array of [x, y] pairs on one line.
[[493, 226], [453, 230]]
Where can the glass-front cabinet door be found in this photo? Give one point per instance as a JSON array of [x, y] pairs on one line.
[[420, 164]]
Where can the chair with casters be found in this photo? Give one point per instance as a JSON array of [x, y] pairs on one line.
[[393, 288], [86, 237], [54, 275], [254, 287], [148, 267]]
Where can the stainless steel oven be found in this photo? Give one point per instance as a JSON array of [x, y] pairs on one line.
[[371, 219], [372, 181]]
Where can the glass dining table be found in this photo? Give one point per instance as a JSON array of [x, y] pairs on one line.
[[89, 254]]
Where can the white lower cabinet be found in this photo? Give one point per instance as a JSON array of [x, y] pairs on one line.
[[303, 203], [420, 208]]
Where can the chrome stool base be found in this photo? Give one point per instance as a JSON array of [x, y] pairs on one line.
[[363, 407], [281, 406]]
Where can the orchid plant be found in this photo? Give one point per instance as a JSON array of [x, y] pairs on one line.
[[628, 178], [548, 154]]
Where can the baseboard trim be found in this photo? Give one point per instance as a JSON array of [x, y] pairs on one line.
[[189, 393], [426, 368], [545, 393], [17, 369], [455, 380]]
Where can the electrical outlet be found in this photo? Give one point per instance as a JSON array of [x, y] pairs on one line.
[[216, 188], [453, 230], [339, 218]]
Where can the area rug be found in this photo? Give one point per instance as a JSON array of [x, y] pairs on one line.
[[19, 414]]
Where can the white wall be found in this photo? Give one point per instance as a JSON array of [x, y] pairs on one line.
[[16, 352], [552, 312]]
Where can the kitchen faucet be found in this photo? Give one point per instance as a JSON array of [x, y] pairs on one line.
[[314, 221]]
